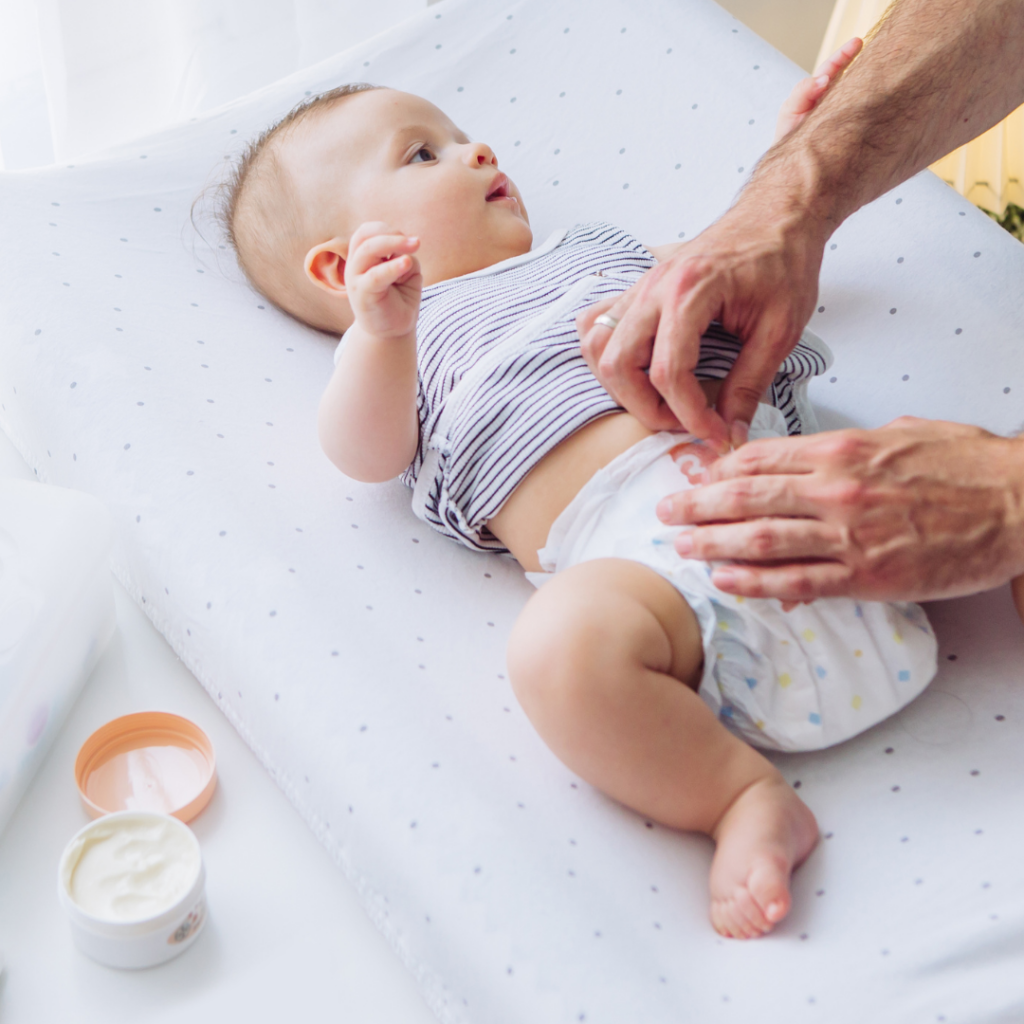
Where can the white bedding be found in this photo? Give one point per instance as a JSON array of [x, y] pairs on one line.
[[362, 657]]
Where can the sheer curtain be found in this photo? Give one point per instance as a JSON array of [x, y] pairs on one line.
[[77, 76]]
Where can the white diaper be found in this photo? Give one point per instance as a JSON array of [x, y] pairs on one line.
[[797, 680]]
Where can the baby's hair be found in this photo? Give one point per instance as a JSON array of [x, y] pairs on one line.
[[256, 161]]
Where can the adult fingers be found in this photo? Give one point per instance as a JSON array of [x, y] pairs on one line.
[[772, 456], [595, 337], [585, 320], [673, 359], [624, 360], [763, 540], [754, 369], [798, 582], [735, 500]]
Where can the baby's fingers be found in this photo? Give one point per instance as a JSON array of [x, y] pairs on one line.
[[366, 253], [840, 60], [808, 93], [804, 96], [377, 280]]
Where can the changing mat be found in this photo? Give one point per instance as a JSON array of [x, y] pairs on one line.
[[362, 656]]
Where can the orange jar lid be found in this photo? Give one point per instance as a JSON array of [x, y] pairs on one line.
[[152, 761]]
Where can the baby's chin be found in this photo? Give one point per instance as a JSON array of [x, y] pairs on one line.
[[496, 245], [516, 235]]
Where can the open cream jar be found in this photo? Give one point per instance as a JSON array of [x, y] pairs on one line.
[[132, 885]]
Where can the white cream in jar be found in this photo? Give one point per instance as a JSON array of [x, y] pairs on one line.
[[130, 869], [133, 886]]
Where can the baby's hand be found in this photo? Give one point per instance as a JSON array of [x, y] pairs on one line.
[[383, 280], [808, 92]]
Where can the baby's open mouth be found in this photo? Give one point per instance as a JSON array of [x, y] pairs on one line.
[[498, 189]]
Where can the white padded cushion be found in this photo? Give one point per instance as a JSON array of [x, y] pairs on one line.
[[362, 656]]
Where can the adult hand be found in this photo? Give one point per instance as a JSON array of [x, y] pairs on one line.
[[757, 277], [914, 510], [756, 274]]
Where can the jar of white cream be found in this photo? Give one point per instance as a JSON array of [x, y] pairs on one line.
[[132, 885]]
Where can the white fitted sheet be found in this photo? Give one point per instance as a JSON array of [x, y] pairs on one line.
[[362, 656]]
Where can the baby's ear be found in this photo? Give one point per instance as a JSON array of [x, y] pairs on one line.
[[325, 265]]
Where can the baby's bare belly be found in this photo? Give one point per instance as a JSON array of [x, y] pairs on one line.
[[524, 521]]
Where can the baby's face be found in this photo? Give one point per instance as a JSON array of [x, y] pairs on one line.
[[388, 156]]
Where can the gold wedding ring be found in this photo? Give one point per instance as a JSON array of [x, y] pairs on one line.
[[607, 321]]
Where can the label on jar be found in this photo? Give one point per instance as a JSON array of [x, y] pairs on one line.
[[132, 868]]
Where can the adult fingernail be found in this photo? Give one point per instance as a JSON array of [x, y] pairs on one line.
[[739, 433], [720, 445], [821, 81], [684, 544], [724, 578], [664, 510]]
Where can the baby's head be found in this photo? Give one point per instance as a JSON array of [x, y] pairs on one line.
[[361, 153]]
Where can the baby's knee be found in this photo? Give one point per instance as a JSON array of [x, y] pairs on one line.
[[537, 650], [556, 649]]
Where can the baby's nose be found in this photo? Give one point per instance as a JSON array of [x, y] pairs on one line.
[[481, 155]]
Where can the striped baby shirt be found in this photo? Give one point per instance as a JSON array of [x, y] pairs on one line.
[[502, 380]]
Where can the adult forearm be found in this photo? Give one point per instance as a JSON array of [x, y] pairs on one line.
[[937, 74]]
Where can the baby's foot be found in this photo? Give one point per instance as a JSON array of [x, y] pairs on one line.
[[766, 833]]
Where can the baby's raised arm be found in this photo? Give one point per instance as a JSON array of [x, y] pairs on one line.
[[367, 421]]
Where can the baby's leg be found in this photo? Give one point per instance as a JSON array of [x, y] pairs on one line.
[[605, 659]]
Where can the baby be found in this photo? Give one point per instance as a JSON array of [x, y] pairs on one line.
[[367, 212]]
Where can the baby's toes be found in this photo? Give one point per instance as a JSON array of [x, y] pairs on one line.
[[726, 921], [768, 884], [738, 917]]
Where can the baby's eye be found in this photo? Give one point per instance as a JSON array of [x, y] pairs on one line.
[[422, 155]]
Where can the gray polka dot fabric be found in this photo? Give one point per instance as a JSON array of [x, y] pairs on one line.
[[362, 656]]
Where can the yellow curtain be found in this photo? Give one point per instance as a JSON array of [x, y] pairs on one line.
[[989, 171]]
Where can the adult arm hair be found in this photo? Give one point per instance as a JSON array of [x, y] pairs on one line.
[[934, 75]]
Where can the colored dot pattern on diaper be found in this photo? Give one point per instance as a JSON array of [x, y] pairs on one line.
[[903, 676], [856, 702], [785, 679], [814, 718], [808, 635]]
